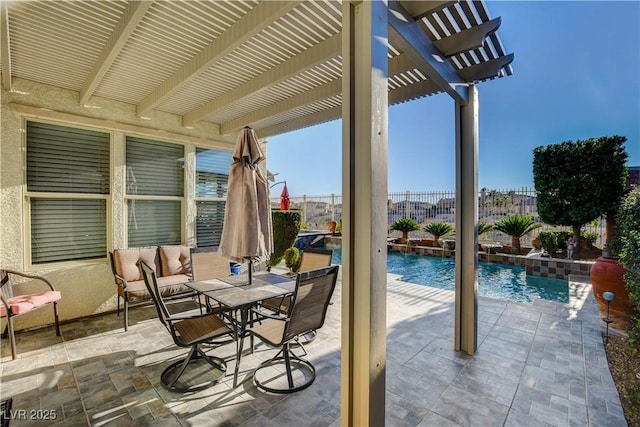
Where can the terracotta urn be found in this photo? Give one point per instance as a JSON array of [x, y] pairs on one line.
[[332, 226], [608, 275]]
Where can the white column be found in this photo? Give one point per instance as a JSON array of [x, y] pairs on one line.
[[364, 216], [467, 224]]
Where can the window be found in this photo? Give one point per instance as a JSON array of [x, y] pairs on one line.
[[67, 191], [155, 190], [212, 175]]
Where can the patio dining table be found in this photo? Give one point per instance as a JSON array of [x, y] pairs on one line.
[[235, 292]]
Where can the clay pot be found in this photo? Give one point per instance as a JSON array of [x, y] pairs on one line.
[[332, 226], [607, 275]]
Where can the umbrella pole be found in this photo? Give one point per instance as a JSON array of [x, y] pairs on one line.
[[250, 264]]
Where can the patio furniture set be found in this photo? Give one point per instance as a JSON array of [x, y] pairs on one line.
[[234, 311], [277, 309]]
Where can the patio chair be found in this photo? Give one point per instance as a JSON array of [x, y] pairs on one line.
[[186, 331], [312, 258], [307, 313], [16, 305]]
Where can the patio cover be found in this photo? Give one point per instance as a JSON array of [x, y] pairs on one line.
[[277, 66]]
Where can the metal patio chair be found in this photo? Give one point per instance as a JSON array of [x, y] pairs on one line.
[[307, 313], [187, 331]]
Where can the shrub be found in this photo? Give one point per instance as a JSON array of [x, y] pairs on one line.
[[292, 259], [554, 241], [589, 236], [405, 225], [628, 243], [286, 226]]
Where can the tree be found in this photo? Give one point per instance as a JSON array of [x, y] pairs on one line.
[[405, 225], [577, 182], [516, 226]]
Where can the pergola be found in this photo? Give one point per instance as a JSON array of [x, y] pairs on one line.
[[214, 67]]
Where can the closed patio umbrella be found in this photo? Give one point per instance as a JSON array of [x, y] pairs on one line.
[[285, 201], [247, 232]]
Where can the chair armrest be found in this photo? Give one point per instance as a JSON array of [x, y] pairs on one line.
[[268, 315], [120, 281], [31, 276]]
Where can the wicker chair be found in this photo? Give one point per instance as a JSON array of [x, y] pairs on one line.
[[16, 305], [187, 331], [307, 313]]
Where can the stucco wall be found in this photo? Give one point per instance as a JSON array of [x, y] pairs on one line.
[[87, 287]]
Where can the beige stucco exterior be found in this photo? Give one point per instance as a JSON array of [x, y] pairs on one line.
[[87, 287]]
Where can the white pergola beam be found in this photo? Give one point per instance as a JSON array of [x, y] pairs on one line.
[[316, 94], [306, 60], [397, 65], [409, 37], [420, 9], [128, 22], [396, 96], [256, 20], [301, 122], [467, 39], [5, 46]]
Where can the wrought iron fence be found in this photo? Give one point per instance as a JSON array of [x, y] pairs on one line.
[[438, 206]]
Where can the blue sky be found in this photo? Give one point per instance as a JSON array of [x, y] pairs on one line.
[[576, 76]]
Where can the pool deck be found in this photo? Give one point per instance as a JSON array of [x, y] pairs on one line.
[[537, 365]]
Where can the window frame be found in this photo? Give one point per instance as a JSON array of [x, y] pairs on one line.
[[144, 197], [198, 199], [28, 196]]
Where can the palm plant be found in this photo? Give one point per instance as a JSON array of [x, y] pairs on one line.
[[438, 229], [405, 225], [516, 226], [483, 227]]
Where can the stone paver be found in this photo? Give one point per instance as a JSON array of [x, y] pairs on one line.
[[540, 364]]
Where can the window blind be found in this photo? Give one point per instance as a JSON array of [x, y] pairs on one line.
[[154, 222], [61, 161], [66, 160], [212, 176], [154, 168], [209, 221], [68, 229], [212, 172]]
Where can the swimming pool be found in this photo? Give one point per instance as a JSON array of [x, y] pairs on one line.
[[497, 281]]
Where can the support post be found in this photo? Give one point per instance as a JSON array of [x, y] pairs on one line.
[[466, 330], [364, 217]]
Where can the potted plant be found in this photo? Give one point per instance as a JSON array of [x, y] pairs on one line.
[[405, 225], [438, 229], [516, 226]]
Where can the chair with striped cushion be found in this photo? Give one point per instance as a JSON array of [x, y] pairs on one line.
[[13, 305]]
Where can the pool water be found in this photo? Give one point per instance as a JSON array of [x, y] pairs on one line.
[[497, 281]]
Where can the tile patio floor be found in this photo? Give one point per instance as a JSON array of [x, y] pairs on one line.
[[537, 365]]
